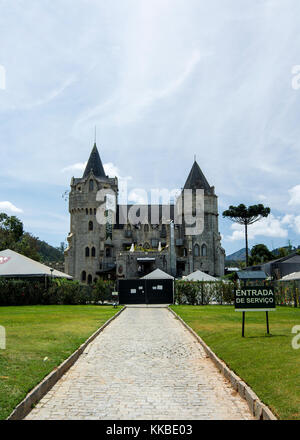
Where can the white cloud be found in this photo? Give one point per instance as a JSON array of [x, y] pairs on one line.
[[75, 167], [267, 227], [138, 197], [9, 207], [294, 195]]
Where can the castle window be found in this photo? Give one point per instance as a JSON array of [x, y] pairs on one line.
[[87, 211], [204, 250], [83, 275], [196, 250], [185, 252], [91, 185], [87, 251], [91, 226], [108, 252], [91, 211], [93, 252], [95, 211], [90, 279]]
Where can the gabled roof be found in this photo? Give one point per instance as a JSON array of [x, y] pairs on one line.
[[94, 164], [197, 180], [198, 275], [158, 274], [14, 265], [251, 274]]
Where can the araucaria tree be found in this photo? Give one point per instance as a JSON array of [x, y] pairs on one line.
[[246, 216]]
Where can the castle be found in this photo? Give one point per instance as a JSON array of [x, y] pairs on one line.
[[131, 250]]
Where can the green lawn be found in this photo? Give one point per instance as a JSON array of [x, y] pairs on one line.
[[36, 332], [268, 364]]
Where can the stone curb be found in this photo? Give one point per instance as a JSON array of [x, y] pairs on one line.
[[259, 410], [49, 381]]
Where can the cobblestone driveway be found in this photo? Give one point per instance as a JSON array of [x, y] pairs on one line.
[[144, 365]]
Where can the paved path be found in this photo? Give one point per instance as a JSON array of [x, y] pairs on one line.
[[144, 365]]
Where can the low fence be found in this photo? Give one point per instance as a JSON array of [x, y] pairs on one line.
[[222, 292]]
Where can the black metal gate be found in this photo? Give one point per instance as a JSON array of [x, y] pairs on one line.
[[145, 291]]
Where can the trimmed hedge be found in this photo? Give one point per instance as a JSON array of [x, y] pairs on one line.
[[203, 292], [220, 292], [60, 291]]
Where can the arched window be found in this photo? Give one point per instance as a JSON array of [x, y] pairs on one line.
[[90, 279], [83, 275], [196, 250], [91, 185], [93, 252], [87, 251], [91, 226], [95, 211], [204, 250], [107, 252], [185, 252], [91, 211], [86, 211]]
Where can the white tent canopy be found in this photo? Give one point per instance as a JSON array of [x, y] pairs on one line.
[[14, 265], [199, 276], [157, 274], [291, 277]]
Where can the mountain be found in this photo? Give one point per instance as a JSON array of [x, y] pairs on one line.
[[49, 253], [237, 256]]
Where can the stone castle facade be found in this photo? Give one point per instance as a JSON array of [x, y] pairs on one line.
[[125, 250]]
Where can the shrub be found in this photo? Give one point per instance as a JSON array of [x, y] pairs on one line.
[[102, 290]]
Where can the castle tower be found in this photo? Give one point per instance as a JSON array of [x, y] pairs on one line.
[[204, 251], [87, 238]]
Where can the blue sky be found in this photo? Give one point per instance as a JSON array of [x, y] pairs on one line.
[[162, 80]]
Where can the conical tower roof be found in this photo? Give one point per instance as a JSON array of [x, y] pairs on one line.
[[197, 180], [94, 164]]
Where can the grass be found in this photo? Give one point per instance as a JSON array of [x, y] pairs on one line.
[[268, 364], [34, 333]]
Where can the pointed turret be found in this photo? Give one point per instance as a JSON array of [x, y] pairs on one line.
[[94, 164], [197, 180]]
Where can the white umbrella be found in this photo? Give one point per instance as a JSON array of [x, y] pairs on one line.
[[132, 248]]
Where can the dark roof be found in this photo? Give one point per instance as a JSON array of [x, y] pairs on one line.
[[94, 164], [251, 274], [294, 257], [197, 180]]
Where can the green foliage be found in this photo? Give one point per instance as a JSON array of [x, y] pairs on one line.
[[12, 236], [11, 230], [282, 252], [260, 254], [60, 291], [203, 292], [246, 216], [102, 290]]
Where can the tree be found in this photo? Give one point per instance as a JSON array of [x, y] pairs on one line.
[[246, 216], [28, 246], [260, 254], [11, 231]]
